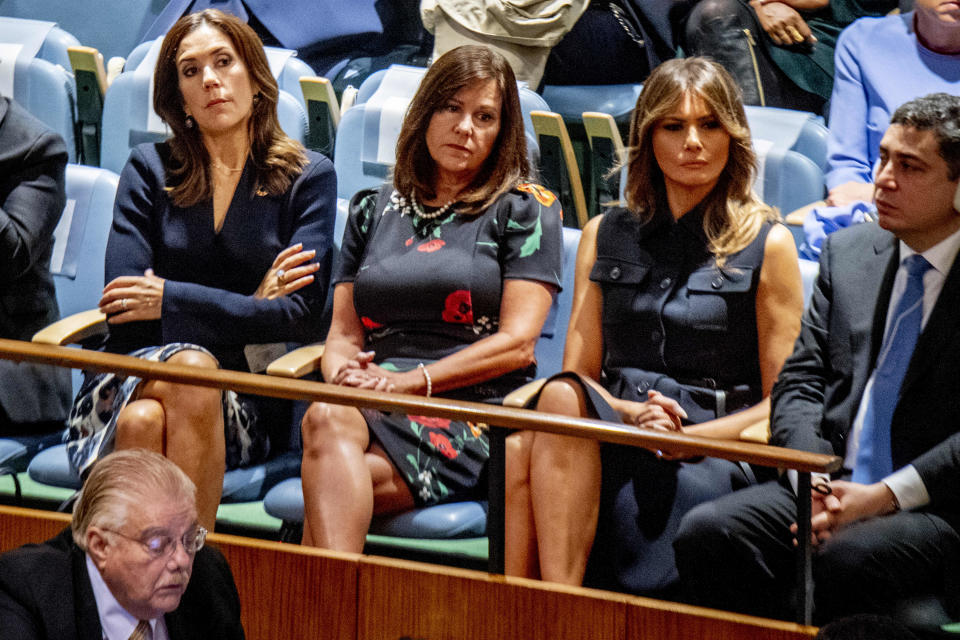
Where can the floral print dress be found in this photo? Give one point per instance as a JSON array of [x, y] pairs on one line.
[[425, 289]]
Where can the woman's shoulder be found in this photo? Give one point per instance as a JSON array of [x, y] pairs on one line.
[[316, 163]]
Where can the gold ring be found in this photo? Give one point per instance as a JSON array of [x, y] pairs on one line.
[[280, 273], [795, 34]]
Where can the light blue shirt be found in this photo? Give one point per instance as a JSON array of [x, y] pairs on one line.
[[906, 483], [879, 66]]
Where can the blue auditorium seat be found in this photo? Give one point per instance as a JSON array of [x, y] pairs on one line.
[[34, 70], [79, 239], [798, 131], [129, 119], [114, 27]]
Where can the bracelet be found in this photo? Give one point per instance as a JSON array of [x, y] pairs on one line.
[[426, 376]]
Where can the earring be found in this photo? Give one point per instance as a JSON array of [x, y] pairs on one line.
[[257, 97], [189, 122]]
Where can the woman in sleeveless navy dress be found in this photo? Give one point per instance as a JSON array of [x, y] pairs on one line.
[[686, 305]]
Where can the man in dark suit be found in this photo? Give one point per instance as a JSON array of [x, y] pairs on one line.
[[132, 565], [886, 527], [34, 398]]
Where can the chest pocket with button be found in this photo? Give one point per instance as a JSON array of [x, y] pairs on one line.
[[620, 281], [715, 294]]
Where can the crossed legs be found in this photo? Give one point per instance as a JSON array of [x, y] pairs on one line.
[[185, 424], [346, 478], [553, 494]]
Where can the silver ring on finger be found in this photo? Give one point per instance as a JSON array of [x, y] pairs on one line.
[[123, 304], [280, 274]]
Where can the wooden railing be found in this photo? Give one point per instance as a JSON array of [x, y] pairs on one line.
[[300, 593], [500, 418]]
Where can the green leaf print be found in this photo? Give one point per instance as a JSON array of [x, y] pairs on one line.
[[413, 461], [416, 428], [532, 244], [442, 488]]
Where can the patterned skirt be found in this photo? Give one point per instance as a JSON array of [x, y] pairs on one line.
[[91, 427]]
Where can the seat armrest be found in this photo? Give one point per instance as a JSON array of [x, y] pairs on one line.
[[797, 216], [758, 432], [521, 395], [73, 329], [298, 362]]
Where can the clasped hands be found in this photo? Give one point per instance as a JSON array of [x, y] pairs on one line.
[[836, 504], [361, 372], [138, 298]]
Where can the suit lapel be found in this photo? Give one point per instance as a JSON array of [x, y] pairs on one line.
[[84, 602], [885, 261], [940, 327]]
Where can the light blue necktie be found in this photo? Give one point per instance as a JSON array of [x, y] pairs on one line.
[[874, 460]]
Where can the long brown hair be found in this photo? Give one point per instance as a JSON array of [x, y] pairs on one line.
[[507, 164], [733, 214], [277, 159]]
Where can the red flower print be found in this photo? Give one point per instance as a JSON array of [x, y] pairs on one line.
[[369, 324], [429, 247], [436, 423], [408, 242], [442, 444], [543, 196], [458, 308]]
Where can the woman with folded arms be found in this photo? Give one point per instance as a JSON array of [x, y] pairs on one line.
[[446, 279], [221, 242], [687, 302]]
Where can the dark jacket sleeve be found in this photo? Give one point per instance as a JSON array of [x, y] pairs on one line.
[[32, 193], [799, 392], [210, 607], [197, 313]]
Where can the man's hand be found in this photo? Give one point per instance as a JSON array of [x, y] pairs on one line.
[[850, 192], [844, 504]]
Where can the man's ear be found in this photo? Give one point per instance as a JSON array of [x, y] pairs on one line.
[[97, 545]]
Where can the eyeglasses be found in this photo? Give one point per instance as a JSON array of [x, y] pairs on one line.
[[163, 546]]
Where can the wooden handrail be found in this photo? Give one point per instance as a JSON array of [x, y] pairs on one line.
[[511, 418]]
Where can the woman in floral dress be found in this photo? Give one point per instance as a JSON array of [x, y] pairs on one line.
[[446, 279]]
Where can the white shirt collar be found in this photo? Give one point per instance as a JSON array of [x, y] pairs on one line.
[[940, 255], [116, 622]]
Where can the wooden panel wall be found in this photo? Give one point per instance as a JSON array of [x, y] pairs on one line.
[[290, 592]]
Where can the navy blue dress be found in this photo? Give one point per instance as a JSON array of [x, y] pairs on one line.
[[210, 278], [426, 289], [675, 322]]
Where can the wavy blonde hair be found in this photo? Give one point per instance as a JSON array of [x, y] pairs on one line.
[[733, 214]]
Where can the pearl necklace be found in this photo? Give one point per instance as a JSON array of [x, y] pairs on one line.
[[405, 208]]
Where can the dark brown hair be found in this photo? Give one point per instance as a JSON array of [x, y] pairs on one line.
[[733, 213], [507, 164], [277, 158]]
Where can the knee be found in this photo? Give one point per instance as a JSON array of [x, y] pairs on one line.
[[700, 531], [194, 358], [324, 424], [560, 396], [141, 420]]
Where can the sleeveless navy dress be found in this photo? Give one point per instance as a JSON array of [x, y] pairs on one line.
[[675, 322]]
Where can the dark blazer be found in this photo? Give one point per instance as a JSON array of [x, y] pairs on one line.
[[818, 392], [33, 161], [45, 593]]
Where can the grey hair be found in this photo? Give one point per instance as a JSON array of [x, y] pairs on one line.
[[122, 480], [939, 113]]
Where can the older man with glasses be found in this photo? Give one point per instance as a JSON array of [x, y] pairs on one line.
[[132, 566]]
